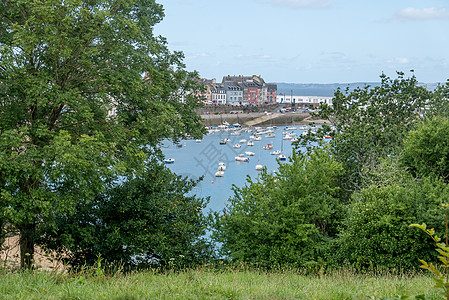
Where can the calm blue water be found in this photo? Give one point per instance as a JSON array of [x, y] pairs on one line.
[[201, 159]]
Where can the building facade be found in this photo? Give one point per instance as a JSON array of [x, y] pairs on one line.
[[303, 101], [218, 94], [234, 93]]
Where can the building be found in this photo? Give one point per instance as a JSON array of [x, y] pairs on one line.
[[207, 94], [218, 94], [304, 101], [254, 88], [234, 93], [271, 93]]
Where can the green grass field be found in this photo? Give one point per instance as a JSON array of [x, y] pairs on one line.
[[204, 283]]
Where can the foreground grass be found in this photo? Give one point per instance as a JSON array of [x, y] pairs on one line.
[[209, 284]]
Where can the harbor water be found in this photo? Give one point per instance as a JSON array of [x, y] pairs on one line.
[[196, 158]]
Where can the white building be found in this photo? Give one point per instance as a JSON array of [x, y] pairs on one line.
[[305, 101]]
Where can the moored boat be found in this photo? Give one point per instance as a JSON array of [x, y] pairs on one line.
[[242, 158], [169, 160]]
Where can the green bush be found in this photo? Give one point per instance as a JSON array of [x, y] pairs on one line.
[[426, 151], [375, 233], [149, 220], [283, 218]]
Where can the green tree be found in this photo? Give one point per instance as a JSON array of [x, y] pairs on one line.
[[439, 104], [64, 67], [376, 233], [150, 219], [426, 149], [371, 123], [283, 218]]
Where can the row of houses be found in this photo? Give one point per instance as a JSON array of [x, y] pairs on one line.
[[253, 91], [239, 91]]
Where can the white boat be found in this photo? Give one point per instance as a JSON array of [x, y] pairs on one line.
[[250, 143], [252, 137], [241, 157], [270, 135], [295, 139], [268, 147], [198, 141], [236, 133], [222, 142], [287, 137], [250, 153], [219, 174], [275, 152], [257, 138], [227, 140], [169, 160], [237, 146], [303, 127], [282, 157], [221, 166], [259, 167], [242, 141]]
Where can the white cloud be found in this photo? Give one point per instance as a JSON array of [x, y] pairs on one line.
[[430, 13], [197, 55], [399, 60], [298, 4], [252, 57]]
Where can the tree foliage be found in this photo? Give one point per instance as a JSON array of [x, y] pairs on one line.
[[426, 149], [148, 220], [370, 123], [376, 233], [283, 218], [64, 67]]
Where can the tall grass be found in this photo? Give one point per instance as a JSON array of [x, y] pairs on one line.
[[207, 283]]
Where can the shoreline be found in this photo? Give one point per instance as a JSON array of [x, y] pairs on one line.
[[259, 119]]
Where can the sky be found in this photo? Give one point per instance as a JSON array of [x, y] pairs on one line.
[[310, 41]]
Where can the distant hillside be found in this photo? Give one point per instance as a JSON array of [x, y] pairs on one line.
[[327, 90]]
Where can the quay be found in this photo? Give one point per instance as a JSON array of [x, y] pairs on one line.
[[260, 119]]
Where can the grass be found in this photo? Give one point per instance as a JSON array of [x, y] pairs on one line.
[[204, 283]]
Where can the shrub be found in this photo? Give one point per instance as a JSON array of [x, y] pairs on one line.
[[149, 220], [283, 218], [375, 232]]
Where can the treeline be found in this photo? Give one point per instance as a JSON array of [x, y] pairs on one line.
[[350, 202], [87, 95]]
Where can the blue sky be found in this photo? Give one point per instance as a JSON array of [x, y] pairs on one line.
[[310, 41]]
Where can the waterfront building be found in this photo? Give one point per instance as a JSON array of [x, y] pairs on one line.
[[303, 101], [234, 93], [218, 94], [255, 90], [207, 94], [271, 93]]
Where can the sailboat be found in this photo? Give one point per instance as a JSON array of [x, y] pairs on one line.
[[282, 157], [259, 167]]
